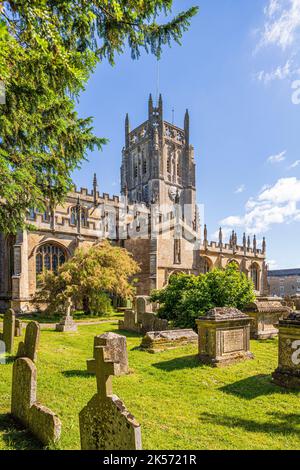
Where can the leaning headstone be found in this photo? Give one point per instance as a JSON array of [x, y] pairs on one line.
[[41, 421], [287, 373], [265, 313], [115, 350], [8, 330], [67, 323], [18, 328], [105, 423], [157, 341], [224, 337], [29, 347]]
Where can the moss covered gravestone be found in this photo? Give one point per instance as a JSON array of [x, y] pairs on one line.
[[8, 331], [116, 351], [224, 337], [41, 421], [287, 373], [105, 423]]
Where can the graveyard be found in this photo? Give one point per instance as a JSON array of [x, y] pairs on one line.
[[179, 402]]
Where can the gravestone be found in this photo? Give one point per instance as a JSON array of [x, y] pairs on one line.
[[143, 305], [18, 328], [224, 337], [130, 322], [157, 341], [8, 331], [142, 319], [265, 313], [29, 347], [105, 423], [67, 323], [115, 349], [287, 373], [40, 420]]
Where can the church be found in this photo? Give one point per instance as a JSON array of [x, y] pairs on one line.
[[155, 218]]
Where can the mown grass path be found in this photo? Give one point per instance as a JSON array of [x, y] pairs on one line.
[[179, 403]]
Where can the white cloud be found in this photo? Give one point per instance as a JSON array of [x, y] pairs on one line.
[[294, 165], [280, 157], [240, 189], [275, 204], [281, 29], [280, 73], [282, 23]]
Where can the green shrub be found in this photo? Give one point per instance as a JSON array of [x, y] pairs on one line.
[[187, 297]]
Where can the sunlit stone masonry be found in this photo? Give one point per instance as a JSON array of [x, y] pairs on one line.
[[224, 337], [158, 341], [265, 313], [287, 373], [155, 218]]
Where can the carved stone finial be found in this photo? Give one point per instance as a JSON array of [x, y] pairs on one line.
[[264, 245]]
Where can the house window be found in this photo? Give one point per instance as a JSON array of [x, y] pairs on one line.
[[49, 257]]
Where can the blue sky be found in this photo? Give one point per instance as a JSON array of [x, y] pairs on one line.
[[234, 72]]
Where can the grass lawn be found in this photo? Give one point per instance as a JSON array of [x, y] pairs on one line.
[[78, 317], [179, 403]]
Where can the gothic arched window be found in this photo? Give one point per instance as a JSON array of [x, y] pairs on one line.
[[49, 257], [73, 217], [255, 276], [84, 216], [169, 164]]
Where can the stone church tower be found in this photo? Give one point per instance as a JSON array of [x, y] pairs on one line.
[[158, 164], [156, 220]]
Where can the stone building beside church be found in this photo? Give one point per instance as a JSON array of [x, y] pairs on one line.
[[155, 218]]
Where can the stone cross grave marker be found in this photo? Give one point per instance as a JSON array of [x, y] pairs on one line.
[[8, 331], [28, 348], [105, 423], [116, 351], [39, 419], [67, 323]]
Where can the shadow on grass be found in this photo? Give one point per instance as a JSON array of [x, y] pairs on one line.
[[77, 373], [185, 362], [15, 436], [279, 423], [253, 387]]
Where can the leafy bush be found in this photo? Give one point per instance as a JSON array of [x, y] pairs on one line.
[[90, 278], [187, 297]]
